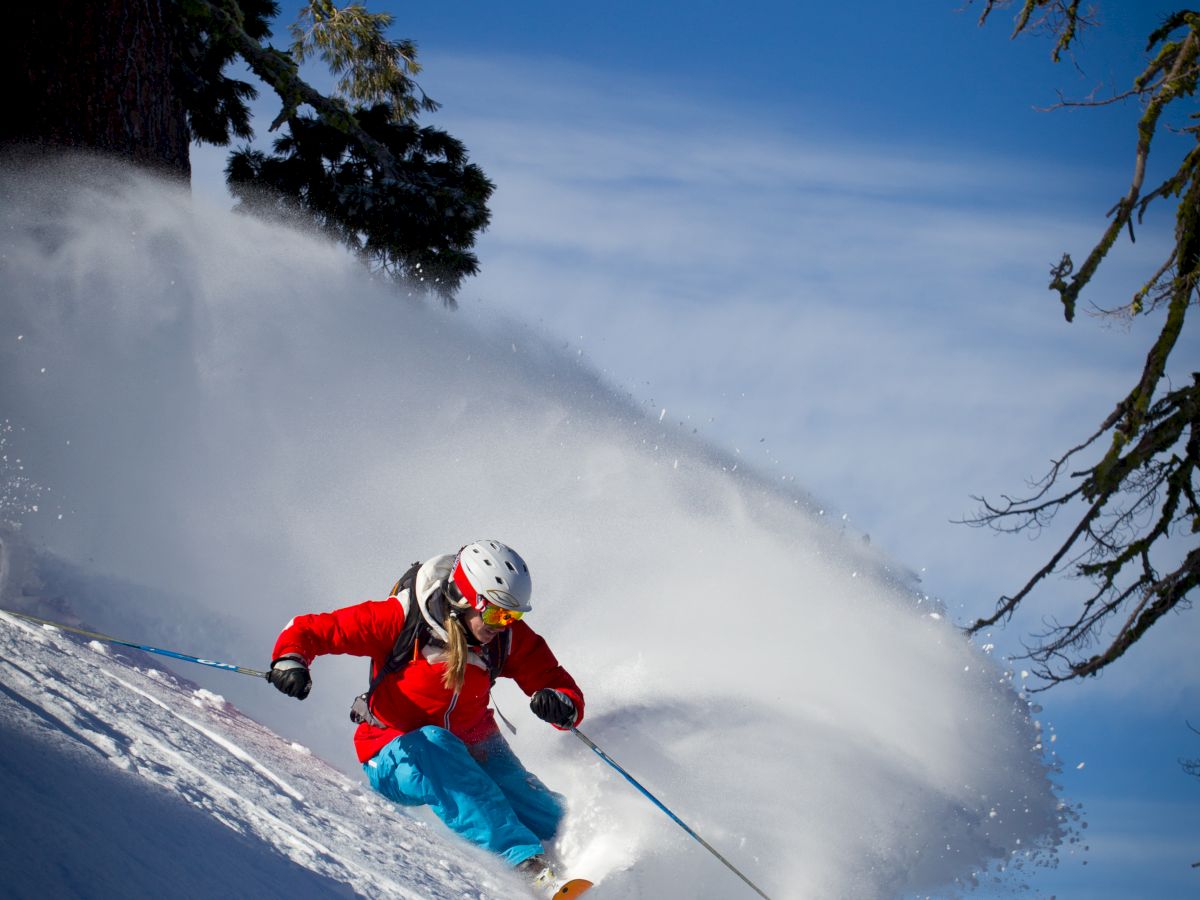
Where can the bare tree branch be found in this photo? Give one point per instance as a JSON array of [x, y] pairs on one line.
[[1136, 498]]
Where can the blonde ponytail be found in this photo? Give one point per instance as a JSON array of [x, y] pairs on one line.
[[456, 655]]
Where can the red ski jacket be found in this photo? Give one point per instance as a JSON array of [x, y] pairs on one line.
[[414, 697]]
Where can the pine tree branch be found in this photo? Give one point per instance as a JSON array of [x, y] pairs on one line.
[[280, 71]]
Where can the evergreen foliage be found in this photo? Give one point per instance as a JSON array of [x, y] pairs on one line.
[[142, 80], [415, 222], [402, 197], [354, 44], [216, 104]]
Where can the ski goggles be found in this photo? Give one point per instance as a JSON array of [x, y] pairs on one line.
[[498, 617], [493, 616]]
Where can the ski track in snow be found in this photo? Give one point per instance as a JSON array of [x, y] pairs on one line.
[[236, 771], [215, 738]]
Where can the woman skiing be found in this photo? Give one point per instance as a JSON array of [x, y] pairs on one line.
[[426, 733]]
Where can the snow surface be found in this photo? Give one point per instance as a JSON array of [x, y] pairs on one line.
[[121, 780], [214, 424]]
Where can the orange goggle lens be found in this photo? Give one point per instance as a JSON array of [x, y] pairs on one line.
[[498, 617]]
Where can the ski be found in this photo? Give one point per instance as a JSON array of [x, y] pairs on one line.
[[573, 888]]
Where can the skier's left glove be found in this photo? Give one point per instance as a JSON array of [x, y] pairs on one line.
[[554, 707]]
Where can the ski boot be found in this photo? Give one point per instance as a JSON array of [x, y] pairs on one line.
[[542, 876]]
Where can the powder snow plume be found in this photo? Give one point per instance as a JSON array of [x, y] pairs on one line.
[[230, 423]]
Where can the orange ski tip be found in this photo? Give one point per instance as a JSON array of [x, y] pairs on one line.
[[573, 888]]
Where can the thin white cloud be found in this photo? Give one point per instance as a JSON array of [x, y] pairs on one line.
[[876, 309]]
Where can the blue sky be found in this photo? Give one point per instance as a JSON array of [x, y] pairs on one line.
[[818, 235]]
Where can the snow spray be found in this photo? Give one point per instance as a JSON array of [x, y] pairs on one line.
[[233, 424]]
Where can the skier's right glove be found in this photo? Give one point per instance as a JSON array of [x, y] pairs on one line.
[[554, 707], [290, 675]]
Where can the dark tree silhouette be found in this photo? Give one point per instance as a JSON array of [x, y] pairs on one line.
[[420, 236], [141, 79]]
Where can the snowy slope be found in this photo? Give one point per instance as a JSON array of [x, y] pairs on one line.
[[121, 780]]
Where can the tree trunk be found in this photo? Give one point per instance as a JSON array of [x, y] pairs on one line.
[[95, 75]]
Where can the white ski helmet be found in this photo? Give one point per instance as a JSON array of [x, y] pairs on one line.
[[491, 572]]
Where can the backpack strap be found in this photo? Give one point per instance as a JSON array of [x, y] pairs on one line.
[[413, 634], [495, 654]]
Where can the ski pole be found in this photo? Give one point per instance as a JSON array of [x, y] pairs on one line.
[[678, 821], [95, 635]]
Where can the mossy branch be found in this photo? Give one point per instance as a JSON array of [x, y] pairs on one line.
[[1142, 490], [1181, 79]]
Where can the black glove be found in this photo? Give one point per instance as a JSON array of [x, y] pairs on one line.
[[290, 675], [554, 707]]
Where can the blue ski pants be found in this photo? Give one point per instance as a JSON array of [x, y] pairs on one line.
[[482, 793]]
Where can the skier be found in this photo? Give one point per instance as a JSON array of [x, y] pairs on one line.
[[426, 733]]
